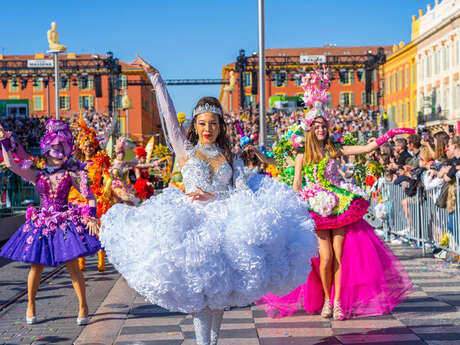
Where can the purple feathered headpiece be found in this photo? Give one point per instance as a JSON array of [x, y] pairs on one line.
[[57, 132]]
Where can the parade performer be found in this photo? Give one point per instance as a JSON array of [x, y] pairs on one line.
[[58, 232], [143, 186], [354, 267], [97, 164], [220, 244], [122, 189]]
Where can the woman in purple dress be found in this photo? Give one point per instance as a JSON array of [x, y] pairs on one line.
[[57, 232]]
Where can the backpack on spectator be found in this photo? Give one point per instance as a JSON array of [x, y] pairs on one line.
[[441, 201]]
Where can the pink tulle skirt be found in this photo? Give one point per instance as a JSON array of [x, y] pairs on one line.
[[373, 280]]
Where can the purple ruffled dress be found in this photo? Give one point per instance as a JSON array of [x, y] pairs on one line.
[[56, 232], [373, 281]]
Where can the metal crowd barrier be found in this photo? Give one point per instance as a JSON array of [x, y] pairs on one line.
[[15, 194], [418, 219]]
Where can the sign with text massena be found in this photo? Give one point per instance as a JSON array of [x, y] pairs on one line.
[[40, 63], [312, 58]]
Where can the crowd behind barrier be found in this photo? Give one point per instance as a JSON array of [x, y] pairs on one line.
[[421, 220]]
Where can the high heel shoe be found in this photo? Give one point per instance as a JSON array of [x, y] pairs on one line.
[[31, 320], [338, 311], [82, 321], [327, 309]]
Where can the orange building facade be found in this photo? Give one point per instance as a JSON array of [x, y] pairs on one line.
[[32, 93], [282, 80]]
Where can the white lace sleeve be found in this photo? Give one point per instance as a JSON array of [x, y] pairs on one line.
[[175, 133], [239, 179]]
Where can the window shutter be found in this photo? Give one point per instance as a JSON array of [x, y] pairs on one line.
[[341, 98], [352, 77], [124, 81], [90, 82], [352, 98]]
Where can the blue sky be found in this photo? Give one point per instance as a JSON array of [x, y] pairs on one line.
[[194, 39]]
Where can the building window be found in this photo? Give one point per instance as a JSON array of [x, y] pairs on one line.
[[248, 100], [457, 52], [346, 77], [38, 103], [86, 82], [280, 79], [297, 79], [437, 62], [37, 84], [247, 79], [363, 98], [397, 81], [407, 76], [401, 79], [422, 67], [414, 71], [13, 84], [64, 102], [347, 98], [85, 102], [122, 81], [64, 84]]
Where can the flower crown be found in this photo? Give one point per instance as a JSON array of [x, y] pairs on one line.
[[207, 108], [316, 85]]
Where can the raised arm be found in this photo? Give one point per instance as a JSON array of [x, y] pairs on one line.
[[371, 146], [26, 173], [167, 111]]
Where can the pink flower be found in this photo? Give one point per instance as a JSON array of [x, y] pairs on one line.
[[30, 239], [35, 231], [45, 232], [31, 213], [27, 248]]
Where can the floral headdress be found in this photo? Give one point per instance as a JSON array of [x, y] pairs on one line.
[[316, 85], [140, 152], [86, 135], [57, 132]]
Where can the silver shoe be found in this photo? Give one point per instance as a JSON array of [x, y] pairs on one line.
[[327, 308], [82, 321], [31, 320], [338, 312]]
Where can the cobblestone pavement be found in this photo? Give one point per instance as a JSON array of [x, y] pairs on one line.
[[56, 304], [430, 316]]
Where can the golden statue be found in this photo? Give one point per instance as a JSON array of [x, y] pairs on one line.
[[53, 39], [232, 80]]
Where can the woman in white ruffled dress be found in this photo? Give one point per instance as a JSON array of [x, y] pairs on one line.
[[221, 244]]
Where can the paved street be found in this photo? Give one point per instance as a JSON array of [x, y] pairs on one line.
[[121, 317]]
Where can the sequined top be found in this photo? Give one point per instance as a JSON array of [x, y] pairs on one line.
[[54, 196], [204, 167]]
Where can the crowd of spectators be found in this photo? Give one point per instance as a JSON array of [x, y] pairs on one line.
[[27, 131]]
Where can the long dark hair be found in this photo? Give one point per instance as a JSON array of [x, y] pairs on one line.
[[222, 139]]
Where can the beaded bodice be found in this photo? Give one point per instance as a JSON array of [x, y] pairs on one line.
[[54, 194], [214, 175]]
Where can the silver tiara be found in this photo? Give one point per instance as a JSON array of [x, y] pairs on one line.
[[207, 108]]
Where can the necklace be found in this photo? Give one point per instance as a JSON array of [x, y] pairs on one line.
[[52, 169]]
